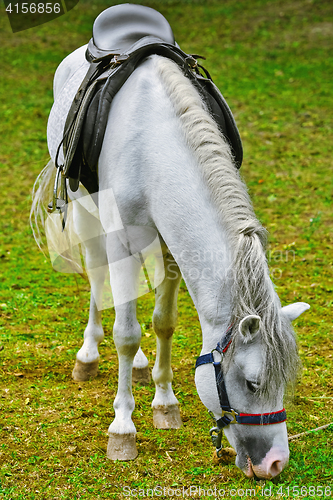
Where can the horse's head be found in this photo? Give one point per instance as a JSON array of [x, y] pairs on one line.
[[251, 398]]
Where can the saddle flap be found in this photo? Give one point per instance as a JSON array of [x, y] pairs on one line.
[[223, 116]]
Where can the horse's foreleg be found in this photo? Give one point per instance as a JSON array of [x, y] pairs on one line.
[[87, 358], [165, 405]]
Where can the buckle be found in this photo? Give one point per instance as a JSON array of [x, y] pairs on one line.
[[119, 59], [216, 349], [216, 437], [231, 412], [191, 61]]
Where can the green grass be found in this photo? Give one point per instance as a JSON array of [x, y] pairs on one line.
[[273, 61]]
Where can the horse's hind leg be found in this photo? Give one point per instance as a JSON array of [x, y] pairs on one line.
[[124, 276], [90, 232], [165, 405], [127, 336]]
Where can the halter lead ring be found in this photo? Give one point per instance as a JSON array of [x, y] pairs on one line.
[[227, 412]]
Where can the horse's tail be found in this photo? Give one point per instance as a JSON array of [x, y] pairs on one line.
[[49, 235], [41, 196]]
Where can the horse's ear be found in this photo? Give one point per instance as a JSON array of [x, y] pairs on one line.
[[292, 311], [249, 327]]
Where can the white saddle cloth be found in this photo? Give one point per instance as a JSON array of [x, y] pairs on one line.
[[67, 80]]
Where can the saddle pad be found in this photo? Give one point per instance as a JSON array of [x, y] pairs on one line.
[[63, 100]]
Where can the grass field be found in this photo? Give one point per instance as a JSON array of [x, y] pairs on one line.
[[273, 61]]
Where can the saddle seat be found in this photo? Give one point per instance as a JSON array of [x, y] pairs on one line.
[[116, 29], [123, 37]]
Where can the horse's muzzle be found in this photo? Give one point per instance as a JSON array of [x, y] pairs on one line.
[[271, 466]]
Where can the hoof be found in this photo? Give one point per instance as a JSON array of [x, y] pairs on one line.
[[122, 447], [141, 375], [167, 417], [84, 371]]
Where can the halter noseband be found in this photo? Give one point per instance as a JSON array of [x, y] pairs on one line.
[[229, 415]]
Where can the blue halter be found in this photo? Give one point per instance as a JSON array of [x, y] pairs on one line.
[[229, 415]]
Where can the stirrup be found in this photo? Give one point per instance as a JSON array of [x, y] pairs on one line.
[[58, 204]]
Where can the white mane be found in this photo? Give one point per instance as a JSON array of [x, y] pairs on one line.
[[253, 291]]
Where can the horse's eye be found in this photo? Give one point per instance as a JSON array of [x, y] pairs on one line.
[[252, 386]]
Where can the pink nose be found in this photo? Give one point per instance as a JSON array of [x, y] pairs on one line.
[[273, 463]]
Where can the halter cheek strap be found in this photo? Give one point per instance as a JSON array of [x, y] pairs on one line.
[[230, 416]]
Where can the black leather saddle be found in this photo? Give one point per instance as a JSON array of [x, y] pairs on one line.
[[123, 36]]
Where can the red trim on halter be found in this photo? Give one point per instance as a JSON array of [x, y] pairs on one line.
[[222, 349], [255, 414], [275, 417], [226, 348]]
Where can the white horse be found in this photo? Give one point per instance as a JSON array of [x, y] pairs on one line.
[[164, 165]]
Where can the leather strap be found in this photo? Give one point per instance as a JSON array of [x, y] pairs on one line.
[[227, 412], [275, 417], [106, 75]]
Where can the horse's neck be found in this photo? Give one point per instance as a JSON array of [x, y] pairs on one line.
[[157, 181]]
